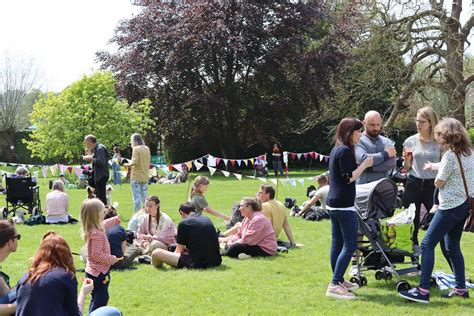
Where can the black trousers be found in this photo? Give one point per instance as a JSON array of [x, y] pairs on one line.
[[100, 189], [418, 191], [236, 249]]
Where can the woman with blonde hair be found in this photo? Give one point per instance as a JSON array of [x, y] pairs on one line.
[[418, 150], [457, 163], [198, 190]]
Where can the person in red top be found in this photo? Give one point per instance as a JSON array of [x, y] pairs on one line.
[[99, 258]]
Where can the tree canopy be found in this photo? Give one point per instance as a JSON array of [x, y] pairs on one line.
[[88, 106]]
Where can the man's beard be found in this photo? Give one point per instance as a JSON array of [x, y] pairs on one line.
[[372, 134]]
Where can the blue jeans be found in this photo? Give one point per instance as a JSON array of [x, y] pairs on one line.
[[139, 193], [100, 293], [447, 225], [106, 311], [344, 227], [277, 167]]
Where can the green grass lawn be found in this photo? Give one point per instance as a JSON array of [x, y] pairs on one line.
[[292, 283]]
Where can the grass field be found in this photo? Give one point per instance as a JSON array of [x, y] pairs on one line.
[[288, 284]]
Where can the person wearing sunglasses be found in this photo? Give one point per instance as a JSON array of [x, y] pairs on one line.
[[8, 243]]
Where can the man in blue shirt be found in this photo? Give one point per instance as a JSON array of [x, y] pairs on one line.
[[379, 147]]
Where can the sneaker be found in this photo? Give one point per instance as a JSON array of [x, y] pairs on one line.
[[144, 259], [453, 293], [351, 287], [244, 256], [339, 291], [354, 270], [415, 295]]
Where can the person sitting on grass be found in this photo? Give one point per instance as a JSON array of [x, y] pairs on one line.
[[8, 243], [50, 285], [57, 204], [197, 245], [157, 230], [320, 195], [200, 186], [256, 237], [136, 220]]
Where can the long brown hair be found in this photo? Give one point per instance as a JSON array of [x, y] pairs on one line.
[[451, 133], [200, 180], [344, 131], [155, 199], [54, 252]]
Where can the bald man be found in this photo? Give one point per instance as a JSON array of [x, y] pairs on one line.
[[380, 147]]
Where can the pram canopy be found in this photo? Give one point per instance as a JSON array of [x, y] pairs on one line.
[[376, 199]]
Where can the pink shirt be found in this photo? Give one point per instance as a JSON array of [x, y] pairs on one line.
[[99, 258], [164, 231], [257, 230]]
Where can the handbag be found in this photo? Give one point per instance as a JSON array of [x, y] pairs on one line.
[[469, 224]]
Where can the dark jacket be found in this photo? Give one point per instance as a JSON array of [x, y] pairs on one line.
[[100, 164]]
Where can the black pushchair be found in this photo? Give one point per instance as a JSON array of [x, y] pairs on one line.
[[374, 201], [22, 193]]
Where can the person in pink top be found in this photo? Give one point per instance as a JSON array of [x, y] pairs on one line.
[[99, 258], [256, 237], [157, 229]]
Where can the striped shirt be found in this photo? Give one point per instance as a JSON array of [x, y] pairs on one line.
[[99, 258]]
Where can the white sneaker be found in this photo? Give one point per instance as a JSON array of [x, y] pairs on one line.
[[244, 256]]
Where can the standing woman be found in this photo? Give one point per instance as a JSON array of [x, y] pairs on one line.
[[139, 164], [449, 219], [419, 149], [343, 171], [116, 161]]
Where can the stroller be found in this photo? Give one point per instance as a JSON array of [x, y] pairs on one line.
[[374, 201], [22, 193], [260, 168]]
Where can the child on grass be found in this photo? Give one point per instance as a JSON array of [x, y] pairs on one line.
[[200, 186]]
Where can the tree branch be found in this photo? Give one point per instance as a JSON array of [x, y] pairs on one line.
[[466, 29], [469, 80]]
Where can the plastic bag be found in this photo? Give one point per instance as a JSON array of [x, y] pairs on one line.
[[404, 217]]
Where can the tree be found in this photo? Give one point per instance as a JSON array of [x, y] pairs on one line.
[[225, 75], [18, 79], [88, 106]]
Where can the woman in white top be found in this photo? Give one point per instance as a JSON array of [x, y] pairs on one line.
[[452, 212], [57, 204]]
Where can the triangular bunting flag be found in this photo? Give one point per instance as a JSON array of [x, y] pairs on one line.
[[212, 170], [77, 170], [251, 177], [274, 181], [326, 159], [251, 161], [69, 169], [232, 162], [198, 165], [189, 164], [239, 162], [178, 167], [299, 156], [225, 162], [301, 181], [225, 173], [312, 154], [321, 157], [218, 160], [62, 168], [35, 174], [316, 156], [293, 156], [245, 162], [283, 181], [238, 176], [293, 182], [54, 169], [305, 155], [45, 171], [262, 179]]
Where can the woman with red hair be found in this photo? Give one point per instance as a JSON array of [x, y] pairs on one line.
[[50, 285]]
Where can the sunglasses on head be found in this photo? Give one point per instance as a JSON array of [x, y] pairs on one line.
[[17, 236]]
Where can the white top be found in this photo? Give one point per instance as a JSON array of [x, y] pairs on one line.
[[322, 193], [57, 204], [136, 220], [453, 193], [422, 153]]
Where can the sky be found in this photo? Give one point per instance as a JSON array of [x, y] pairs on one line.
[[62, 36]]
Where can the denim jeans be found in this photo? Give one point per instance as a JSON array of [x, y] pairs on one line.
[[106, 311], [446, 224], [344, 227], [139, 193], [277, 167], [100, 293]]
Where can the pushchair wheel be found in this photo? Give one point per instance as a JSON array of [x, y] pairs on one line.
[[356, 280], [388, 275], [380, 275], [403, 286], [363, 280]]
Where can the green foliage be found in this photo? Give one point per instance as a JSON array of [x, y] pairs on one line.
[[88, 106], [292, 283]]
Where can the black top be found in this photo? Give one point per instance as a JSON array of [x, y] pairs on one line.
[[55, 293], [100, 164], [199, 236], [342, 163], [116, 235]]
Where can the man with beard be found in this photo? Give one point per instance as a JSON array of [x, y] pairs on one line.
[[380, 147]]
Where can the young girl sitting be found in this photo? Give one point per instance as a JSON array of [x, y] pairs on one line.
[[99, 258], [200, 186], [156, 230]]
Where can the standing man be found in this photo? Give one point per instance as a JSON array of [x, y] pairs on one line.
[[139, 164], [100, 165], [275, 211], [381, 148], [197, 244], [8, 244]]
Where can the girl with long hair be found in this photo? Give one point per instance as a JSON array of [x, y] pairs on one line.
[[198, 190]]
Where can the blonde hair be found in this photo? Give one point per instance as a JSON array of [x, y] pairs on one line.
[[200, 180], [430, 115], [90, 216], [451, 133]]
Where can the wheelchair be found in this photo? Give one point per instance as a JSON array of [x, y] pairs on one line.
[[21, 194]]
